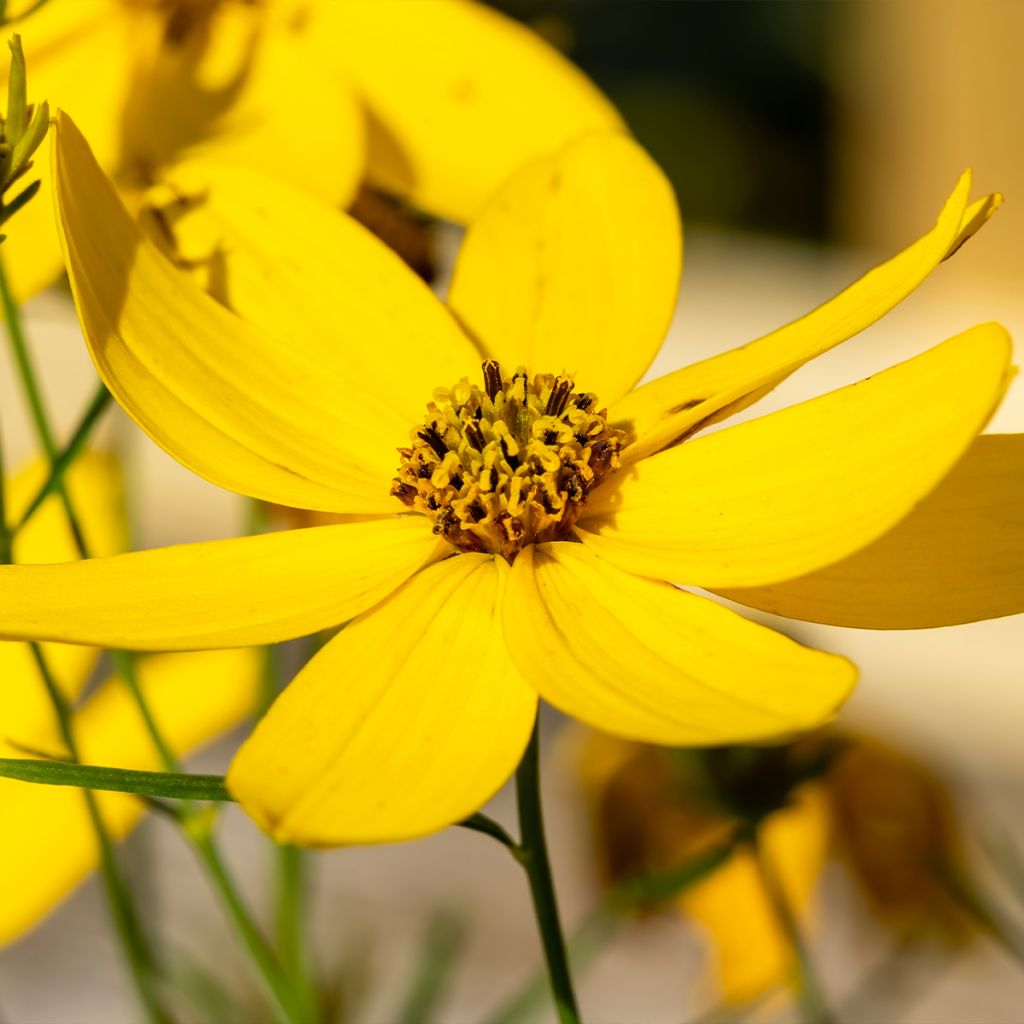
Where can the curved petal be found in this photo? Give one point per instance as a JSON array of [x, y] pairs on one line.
[[241, 83], [409, 720], [671, 408], [781, 496], [222, 593], [48, 846], [458, 97], [248, 410], [94, 484], [75, 57], [958, 557], [641, 659], [574, 265], [296, 267]]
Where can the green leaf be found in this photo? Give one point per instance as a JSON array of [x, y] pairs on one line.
[[115, 780], [17, 101], [10, 209]]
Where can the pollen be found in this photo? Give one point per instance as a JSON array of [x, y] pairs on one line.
[[509, 464]]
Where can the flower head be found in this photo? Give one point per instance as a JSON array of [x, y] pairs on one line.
[[435, 106], [301, 392]]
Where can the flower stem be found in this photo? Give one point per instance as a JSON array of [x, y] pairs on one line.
[[100, 401], [813, 1008], [126, 922], [33, 394], [286, 1004], [533, 855]]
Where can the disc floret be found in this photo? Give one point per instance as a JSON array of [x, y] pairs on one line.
[[508, 464]]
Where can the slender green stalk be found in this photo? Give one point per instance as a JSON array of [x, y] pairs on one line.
[[126, 922], [813, 1008], [605, 919], [290, 903], [439, 953], [287, 1005], [1003, 929], [33, 394], [533, 855], [96, 407]]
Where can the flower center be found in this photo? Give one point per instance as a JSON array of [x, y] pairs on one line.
[[507, 465]]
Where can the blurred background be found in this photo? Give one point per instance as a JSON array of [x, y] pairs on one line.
[[806, 142]]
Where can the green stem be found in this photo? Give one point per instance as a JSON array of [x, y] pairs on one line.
[[33, 394], [813, 1008], [289, 924], [69, 453], [969, 897], [126, 922], [286, 1006], [533, 855]]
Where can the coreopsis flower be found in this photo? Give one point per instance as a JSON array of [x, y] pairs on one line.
[[881, 812], [434, 102], [653, 810], [47, 842], [510, 534]]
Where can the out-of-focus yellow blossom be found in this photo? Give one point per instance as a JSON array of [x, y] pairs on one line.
[[435, 102], [653, 811], [519, 545], [47, 842], [881, 812]]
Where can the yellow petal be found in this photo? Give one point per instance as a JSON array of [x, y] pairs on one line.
[[574, 265], [48, 846], [249, 410], [641, 659], [674, 406], [245, 85], [409, 720], [786, 494], [458, 97], [224, 593], [94, 483], [958, 557], [752, 953], [299, 268], [75, 58]]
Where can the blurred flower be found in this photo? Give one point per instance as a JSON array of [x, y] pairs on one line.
[[435, 103], [655, 809], [47, 842], [564, 519], [884, 815]]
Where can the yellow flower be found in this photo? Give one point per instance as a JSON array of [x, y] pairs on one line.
[[653, 811], [435, 102], [420, 708], [47, 841], [884, 815]]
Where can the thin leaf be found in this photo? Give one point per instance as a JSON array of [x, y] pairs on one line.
[[116, 780]]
